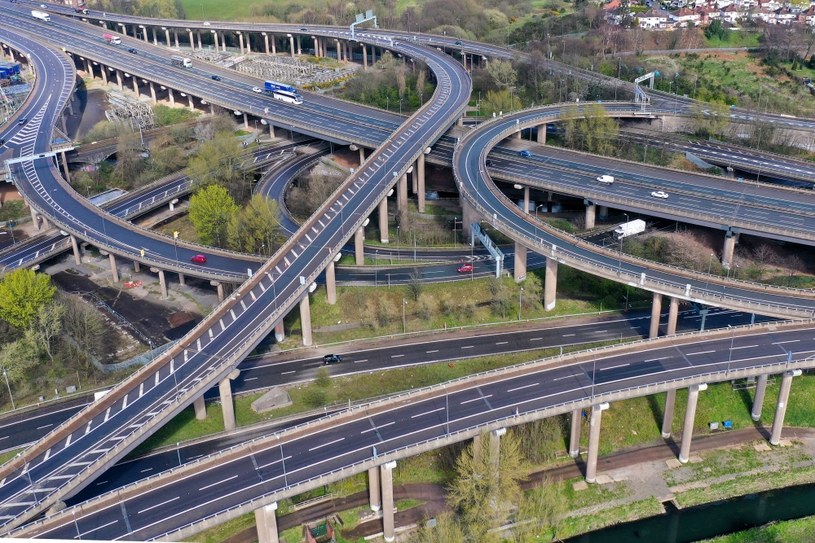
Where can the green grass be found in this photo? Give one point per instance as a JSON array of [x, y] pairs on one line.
[[736, 39], [802, 529], [572, 526], [223, 531], [593, 495]]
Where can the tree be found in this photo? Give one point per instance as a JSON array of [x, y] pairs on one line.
[[47, 327], [503, 73], [18, 357], [711, 119], [590, 130], [484, 489], [322, 379], [414, 286], [84, 325], [539, 511], [211, 209], [22, 294], [446, 530], [256, 228], [217, 163]]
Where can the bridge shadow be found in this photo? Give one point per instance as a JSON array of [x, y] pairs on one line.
[[747, 399], [656, 409]]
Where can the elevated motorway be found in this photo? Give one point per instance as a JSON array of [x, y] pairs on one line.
[[71, 456], [486, 201], [240, 480]]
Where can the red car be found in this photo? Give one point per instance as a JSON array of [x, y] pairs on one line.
[[199, 259], [465, 268]]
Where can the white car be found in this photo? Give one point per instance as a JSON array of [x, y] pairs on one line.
[[257, 90], [659, 194], [606, 179], [206, 23]]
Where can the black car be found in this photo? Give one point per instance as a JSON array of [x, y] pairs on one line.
[[132, 50], [22, 121], [488, 162], [458, 42], [216, 77], [332, 359]]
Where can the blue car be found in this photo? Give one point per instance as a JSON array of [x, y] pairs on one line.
[[524, 153]]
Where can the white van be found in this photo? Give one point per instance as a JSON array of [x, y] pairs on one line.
[[606, 179]]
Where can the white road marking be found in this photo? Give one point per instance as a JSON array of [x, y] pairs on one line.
[[378, 427], [523, 387], [614, 367], [324, 445], [476, 399], [160, 504], [218, 483], [427, 412]]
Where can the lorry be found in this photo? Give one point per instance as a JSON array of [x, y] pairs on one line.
[[41, 15], [184, 62], [110, 39], [630, 228], [79, 7], [283, 92]]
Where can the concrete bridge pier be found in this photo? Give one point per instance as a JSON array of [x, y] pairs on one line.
[[166, 35], [361, 155], [279, 332], [305, 321], [673, 315], [227, 405], [364, 57], [542, 133], [690, 416], [299, 44], [656, 311], [781, 406], [330, 284], [219, 287], [594, 440], [550, 284], [171, 96], [198, 35], [374, 489], [730, 240], [668, 414], [153, 92], [200, 408], [495, 448], [574, 434], [192, 43], [240, 40], [136, 266], [402, 198], [758, 398], [75, 247], [291, 44], [520, 262], [383, 220], [386, 474], [64, 158], [265, 42], [266, 523], [591, 214], [119, 79], [114, 268], [162, 282], [190, 103], [175, 37], [420, 180], [359, 246]]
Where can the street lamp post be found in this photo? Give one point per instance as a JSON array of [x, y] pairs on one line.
[[404, 318], [620, 266], [8, 386], [175, 244], [730, 354], [520, 301], [709, 267], [376, 269], [178, 452], [541, 206]]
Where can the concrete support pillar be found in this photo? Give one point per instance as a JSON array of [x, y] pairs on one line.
[[477, 449], [167, 36], [402, 198], [153, 92], [414, 186], [525, 205], [175, 37], [219, 287], [781, 406], [299, 45], [248, 43], [271, 130], [198, 34], [171, 96], [291, 45], [542, 133], [520, 262], [136, 266], [550, 285], [279, 332], [359, 246], [119, 80], [574, 434], [591, 213], [690, 416], [240, 41], [330, 284], [227, 405], [89, 68], [104, 71], [673, 315], [383, 220], [656, 311], [190, 102], [305, 321], [245, 121], [192, 43], [386, 474], [758, 398], [155, 36], [361, 155], [729, 247], [35, 218], [668, 414], [468, 217], [364, 56], [374, 489], [420, 179], [75, 247], [114, 269], [266, 523], [495, 448], [339, 51], [265, 41], [65, 169], [594, 441], [274, 44], [200, 408], [163, 283]]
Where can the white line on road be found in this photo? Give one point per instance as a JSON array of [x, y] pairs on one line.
[[783, 342], [218, 483], [288, 372], [523, 387], [250, 379], [325, 444], [431, 352], [569, 335], [745, 347], [44, 426], [536, 339], [476, 399], [613, 367], [502, 342], [358, 361], [468, 347], [378, 427], [397, 355], [160, 504], [427, 412], [97, 528], [701, 352]]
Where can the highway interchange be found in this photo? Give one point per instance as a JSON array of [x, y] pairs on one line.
[[250, 311]]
